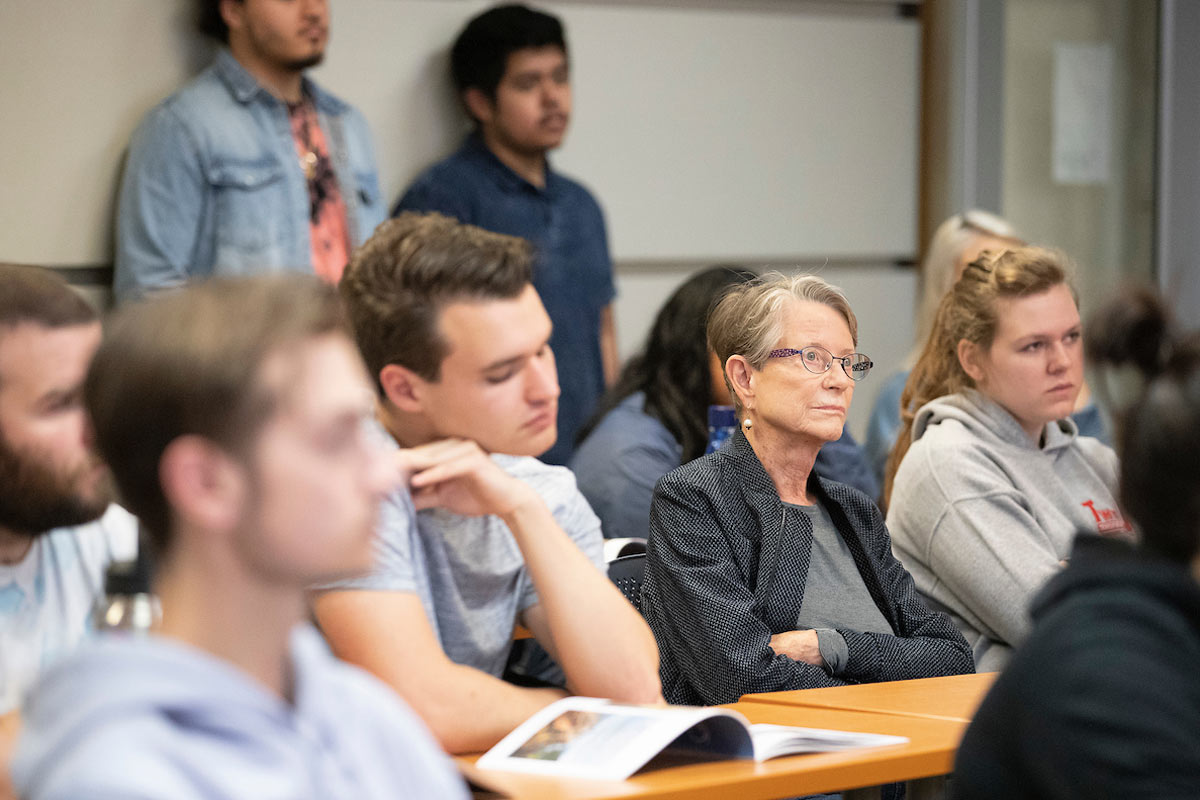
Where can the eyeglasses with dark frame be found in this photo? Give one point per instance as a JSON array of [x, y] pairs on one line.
[[818, 360]]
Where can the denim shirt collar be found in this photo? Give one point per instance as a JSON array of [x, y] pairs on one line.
[[245, 87], [500, 172]]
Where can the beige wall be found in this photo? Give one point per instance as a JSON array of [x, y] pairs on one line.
[[708, 129], [762, 131], [1107, 228]]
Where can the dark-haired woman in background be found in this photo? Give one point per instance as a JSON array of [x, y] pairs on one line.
[[656, 416], [1103, 699]]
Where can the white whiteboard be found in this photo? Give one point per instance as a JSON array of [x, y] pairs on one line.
[[748, 135], [707, 130]]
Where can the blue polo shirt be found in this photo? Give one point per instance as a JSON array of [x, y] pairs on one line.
[[572, 270]]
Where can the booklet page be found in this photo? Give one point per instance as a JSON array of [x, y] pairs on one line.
[[587, 737], [593, 738], [772, 741]]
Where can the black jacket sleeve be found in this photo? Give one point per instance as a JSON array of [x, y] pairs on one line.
[[926, 643], [714, 644]]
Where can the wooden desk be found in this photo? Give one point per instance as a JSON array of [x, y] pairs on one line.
[[929, 753], [952, 698]]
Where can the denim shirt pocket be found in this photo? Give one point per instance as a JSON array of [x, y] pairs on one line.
[[252, 213], [368, 201], [368, 188]]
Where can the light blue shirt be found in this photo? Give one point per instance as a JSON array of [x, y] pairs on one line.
[[149, 717], [213, 185], [46, 599], [618, 464], [883, 426]]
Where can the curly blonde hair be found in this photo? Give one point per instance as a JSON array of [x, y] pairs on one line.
[[969, 311]]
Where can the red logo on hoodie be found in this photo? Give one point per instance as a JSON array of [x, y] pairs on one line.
[[1108, 520]]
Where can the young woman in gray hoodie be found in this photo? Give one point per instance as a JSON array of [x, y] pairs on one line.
[[990, 481]]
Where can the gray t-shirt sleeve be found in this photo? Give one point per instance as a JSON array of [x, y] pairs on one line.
[[833, 650], [573, 514], [393, 558]]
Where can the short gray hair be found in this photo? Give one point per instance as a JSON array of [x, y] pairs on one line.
[[749, 319]]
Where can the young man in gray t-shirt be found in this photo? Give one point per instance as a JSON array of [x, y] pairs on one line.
[[457, 338]]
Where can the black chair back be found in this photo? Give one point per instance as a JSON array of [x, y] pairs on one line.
[[626, 573]]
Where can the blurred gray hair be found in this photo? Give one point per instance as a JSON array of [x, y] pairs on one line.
[[953, 238]]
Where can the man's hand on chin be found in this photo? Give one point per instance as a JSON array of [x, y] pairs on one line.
[[457, 475]]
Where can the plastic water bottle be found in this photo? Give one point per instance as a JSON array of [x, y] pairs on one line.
[[128, 604], [722, 422]]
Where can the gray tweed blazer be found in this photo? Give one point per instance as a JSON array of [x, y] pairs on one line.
[[725, 570]]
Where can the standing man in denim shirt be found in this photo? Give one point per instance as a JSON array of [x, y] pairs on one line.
[[510, 69], [251, 167]]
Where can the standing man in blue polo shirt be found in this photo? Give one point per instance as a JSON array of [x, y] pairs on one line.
[[510, 68]]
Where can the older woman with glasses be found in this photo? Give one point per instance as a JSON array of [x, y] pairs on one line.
[[761, 576]]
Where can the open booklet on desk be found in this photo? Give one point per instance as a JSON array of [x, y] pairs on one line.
[[586, 737]]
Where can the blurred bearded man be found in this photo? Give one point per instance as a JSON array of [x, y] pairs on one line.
[[58, 530]]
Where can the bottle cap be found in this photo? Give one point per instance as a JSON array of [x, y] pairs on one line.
[[128, 577], [721, 417]]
